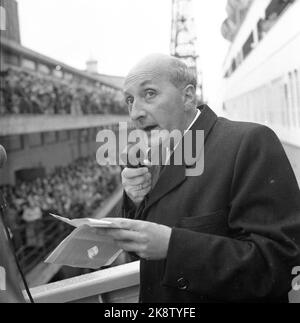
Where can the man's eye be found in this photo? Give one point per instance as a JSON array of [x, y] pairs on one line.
[[129, 100], [149, 94]]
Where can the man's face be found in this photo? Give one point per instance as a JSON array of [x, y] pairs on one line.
[[154, 103]]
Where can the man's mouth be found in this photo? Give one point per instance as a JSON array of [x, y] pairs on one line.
[[150, 128]]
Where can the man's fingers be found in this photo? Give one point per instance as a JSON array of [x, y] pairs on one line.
[[138, 180], [129, 173], [100, 231], [125, 235], [127, 224], [140, 187], [136, 183], [138, 194], [130, 246]]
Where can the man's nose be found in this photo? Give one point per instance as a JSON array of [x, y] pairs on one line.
[[137, 113]]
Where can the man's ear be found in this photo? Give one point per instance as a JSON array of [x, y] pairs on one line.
[[190, 98]]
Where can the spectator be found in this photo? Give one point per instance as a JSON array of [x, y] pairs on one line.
[[30, 93], [73, 191], [32, 215]]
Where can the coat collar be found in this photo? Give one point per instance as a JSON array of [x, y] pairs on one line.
[[172, 175]]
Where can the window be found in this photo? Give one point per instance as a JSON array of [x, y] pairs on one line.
[[287, 105], [35, 140], [27, 63], [49, 137], [43, 69], [297, 81], [74, 134], [10, 58], [84, 135], [68, 76], [292, 87], [260, 30], [247, 48], [276, 7], [62, 135], [239, 59], [58, 73], [12, 143], [233, 65], [93, 134]]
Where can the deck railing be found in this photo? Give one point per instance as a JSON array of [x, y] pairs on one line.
[[113, 285]]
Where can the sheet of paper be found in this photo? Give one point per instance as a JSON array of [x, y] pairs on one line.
[[85, 247], [87, 221]]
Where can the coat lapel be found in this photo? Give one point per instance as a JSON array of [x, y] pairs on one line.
[[172, 175]]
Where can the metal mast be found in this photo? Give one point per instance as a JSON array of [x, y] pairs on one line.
[[183, 37]]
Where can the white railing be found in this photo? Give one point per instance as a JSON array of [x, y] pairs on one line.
[[114, 285], [26, 124]]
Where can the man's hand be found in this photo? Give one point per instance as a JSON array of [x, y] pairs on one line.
[[136, 183], [148, 240]]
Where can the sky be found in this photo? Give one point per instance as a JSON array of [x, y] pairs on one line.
[[118, 33]]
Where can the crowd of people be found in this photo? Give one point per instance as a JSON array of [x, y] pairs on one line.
[[73, 191], [24, 92], [77, 190]]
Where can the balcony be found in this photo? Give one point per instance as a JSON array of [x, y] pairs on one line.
[[114, 285], [26, 124]]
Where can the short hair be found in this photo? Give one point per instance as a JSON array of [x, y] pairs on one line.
[[181, 75]]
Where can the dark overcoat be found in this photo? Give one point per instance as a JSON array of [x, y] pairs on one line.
[[236, 228]]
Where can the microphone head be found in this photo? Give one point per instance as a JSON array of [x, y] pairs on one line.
[[128, 155], [3, 157]]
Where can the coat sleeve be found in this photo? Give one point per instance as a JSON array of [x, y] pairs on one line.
[[257, 257]]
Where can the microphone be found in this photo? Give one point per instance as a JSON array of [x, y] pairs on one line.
[[143, 157], [3, 157], [135, 158]]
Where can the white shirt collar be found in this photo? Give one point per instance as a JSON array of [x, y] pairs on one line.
[[195, 119], [168, 153]]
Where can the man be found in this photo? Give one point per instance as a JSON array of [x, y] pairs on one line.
[[231, 234]]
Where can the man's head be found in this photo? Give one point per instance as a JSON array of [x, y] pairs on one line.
[[160, 92]]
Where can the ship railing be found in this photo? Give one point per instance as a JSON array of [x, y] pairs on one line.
[[46, 235], [113, 285], [118, 284]]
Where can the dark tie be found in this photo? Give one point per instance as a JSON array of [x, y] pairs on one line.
[[155, 172]]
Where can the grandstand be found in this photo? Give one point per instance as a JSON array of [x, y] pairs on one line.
[[50, 114]]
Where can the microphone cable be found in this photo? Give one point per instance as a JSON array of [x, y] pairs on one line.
[[3, 205]]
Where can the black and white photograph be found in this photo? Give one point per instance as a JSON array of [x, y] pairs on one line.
[[150, 154]]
